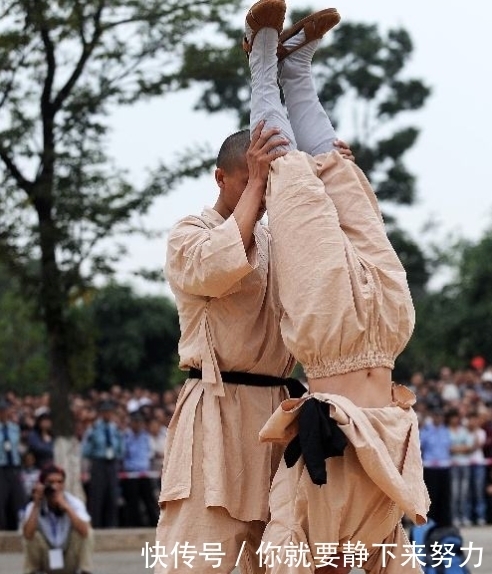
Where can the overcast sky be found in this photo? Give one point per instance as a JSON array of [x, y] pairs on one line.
[[452, 158]]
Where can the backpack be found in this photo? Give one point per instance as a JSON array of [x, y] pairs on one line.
[[447, 542]]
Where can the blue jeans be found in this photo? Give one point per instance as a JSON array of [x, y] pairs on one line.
[[460, 483], [477, 507]]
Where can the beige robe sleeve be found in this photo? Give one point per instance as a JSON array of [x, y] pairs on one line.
[[208, 262]]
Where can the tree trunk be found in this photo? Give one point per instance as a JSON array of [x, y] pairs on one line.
[[68, 455], [54, 304], [59, 385]]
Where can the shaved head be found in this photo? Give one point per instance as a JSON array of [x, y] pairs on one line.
[[233, 151]]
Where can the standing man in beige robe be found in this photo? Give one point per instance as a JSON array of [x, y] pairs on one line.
[[216, 476]]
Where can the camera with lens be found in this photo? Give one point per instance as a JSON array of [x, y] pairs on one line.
[[49, 490]]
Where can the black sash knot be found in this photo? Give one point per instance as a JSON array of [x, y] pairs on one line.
[[319, 438]]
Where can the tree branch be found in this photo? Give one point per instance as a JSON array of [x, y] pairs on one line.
[[50, 75], [79, 10], [7, 90], [14, 171], [46, 106], [7, 10], [86, 53], [130, 68], [155, 16]]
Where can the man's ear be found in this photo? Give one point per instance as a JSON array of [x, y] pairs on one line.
[[219, 177]]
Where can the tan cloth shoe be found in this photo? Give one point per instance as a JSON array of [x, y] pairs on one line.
[[264, 14], [315, 27]]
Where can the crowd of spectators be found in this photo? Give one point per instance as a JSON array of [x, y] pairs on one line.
[[455, 416], [127, 454], [122, 436]]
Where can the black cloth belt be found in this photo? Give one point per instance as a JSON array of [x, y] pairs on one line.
[[294, 386], [319, 438]]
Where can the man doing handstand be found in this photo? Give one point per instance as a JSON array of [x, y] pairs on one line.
[[348, 314]]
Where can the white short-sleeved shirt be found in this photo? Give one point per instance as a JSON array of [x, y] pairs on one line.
[[56, 528]]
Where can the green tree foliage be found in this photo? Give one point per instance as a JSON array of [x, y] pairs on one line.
[[470, 297], [116, 336], [63, 65], [23, 363], [136, 339], [455, 322], [432, 344]]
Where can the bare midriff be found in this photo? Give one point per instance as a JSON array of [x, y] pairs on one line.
[[365, 388]]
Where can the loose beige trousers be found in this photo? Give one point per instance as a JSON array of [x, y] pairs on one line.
[[378, 477], [216, 541], [342, 286]]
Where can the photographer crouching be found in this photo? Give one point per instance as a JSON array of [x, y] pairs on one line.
[[56, 530]]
